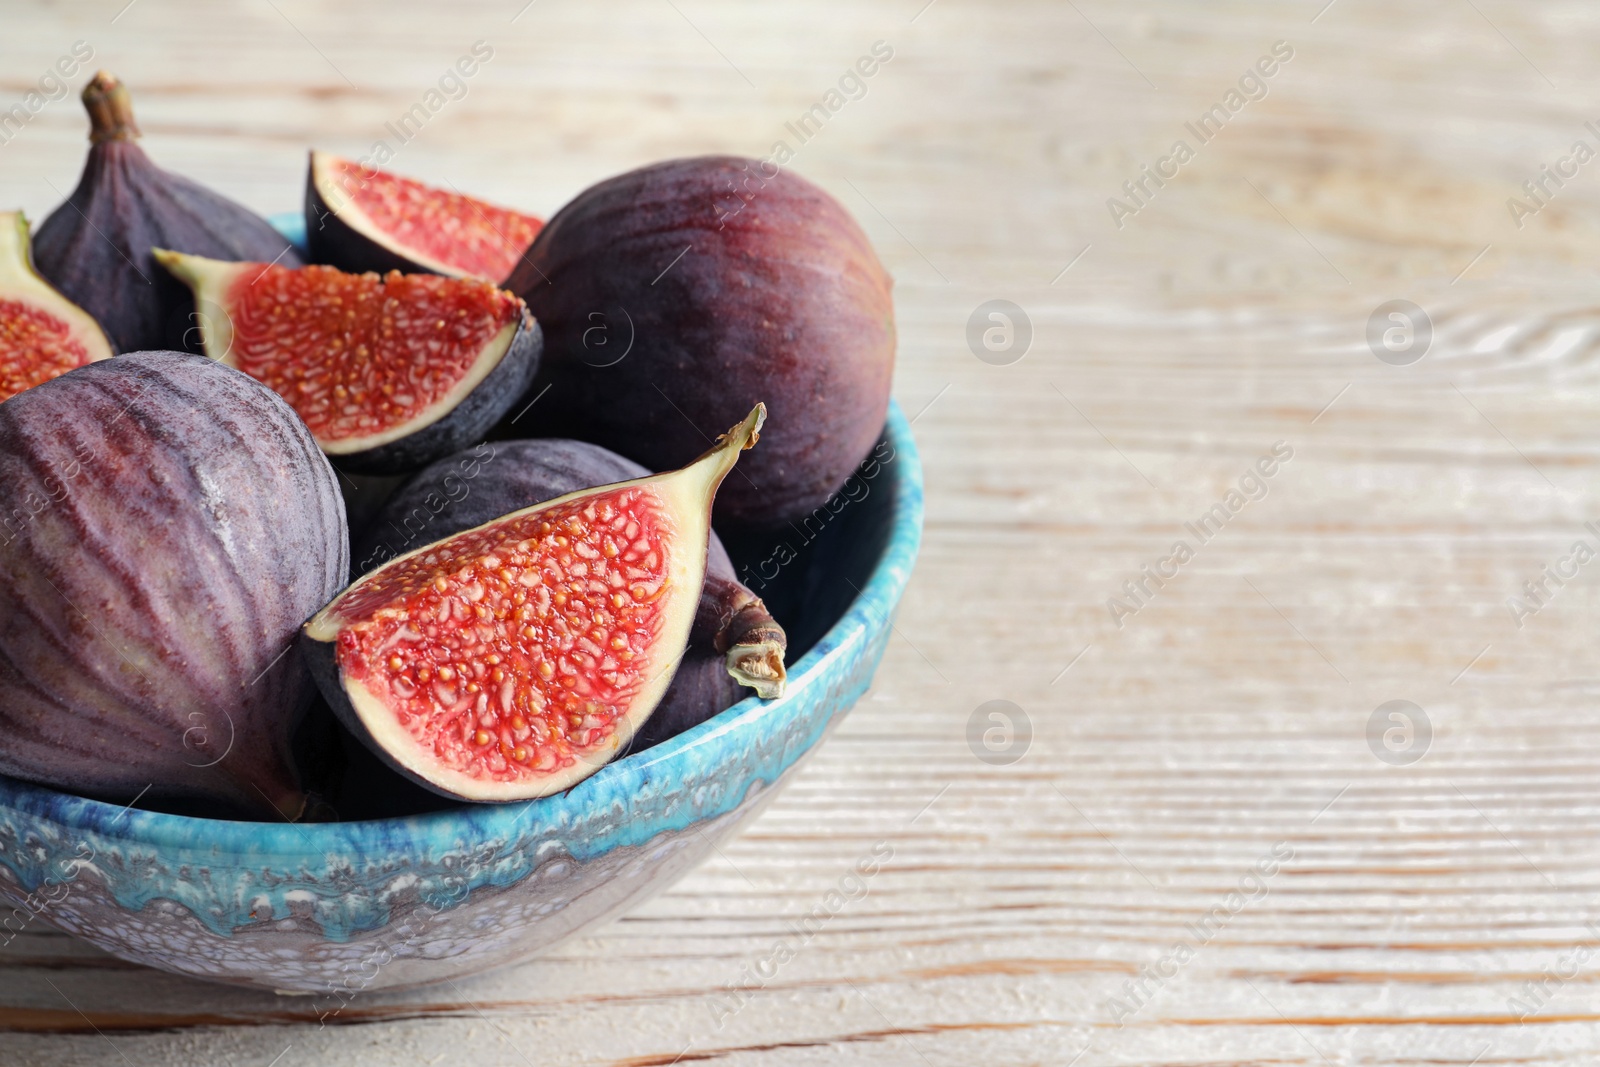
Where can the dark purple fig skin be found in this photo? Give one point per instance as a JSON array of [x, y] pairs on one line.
[[477, 413], [724, 287], [95, 248], [499, 477], [701, 689], [170, 525]]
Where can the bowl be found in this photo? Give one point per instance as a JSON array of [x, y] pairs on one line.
[[339, 908]]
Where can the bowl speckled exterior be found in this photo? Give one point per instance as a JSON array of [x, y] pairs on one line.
[[339, 908]]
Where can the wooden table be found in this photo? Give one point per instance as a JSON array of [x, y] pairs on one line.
[[1068, 897]]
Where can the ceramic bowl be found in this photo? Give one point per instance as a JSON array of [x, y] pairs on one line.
[[338, 908]]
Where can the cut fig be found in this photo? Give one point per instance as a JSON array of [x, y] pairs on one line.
[[95, 248], [514, 659], [459, 492], [42, 333], [390, 373], [361, 218]]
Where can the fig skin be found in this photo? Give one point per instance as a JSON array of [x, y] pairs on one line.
[[723, 286], [171, 523], [496, 478], [95, 248]]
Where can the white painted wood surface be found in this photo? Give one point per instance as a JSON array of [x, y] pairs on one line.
[[1225, 719]]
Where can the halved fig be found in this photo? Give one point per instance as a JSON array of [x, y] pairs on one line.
[[42, 333], [513, 660], [389, 373], [361, 218]]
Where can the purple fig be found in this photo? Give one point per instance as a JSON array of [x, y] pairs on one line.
[[169, 525], [96, 247], [674, 296]]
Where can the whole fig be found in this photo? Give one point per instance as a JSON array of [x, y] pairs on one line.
[[169, 525], [675, 296], [96, 247]]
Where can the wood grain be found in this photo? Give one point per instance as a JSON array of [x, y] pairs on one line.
[[1026, 907]]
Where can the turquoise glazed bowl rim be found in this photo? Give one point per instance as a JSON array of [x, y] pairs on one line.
[[691, 756]]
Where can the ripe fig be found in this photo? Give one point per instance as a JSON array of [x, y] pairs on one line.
[[494, 479], [171, 524], [675, 295], [360, 218], [95, 248], [514, 659], [42, 333], [390, 373]]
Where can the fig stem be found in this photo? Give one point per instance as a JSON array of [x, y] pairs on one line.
[[754, 645], [110, 109]]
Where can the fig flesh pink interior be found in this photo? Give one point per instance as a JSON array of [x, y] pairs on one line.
[[514, 659], [363, 360], [517, 647], [42, 334], [441, 229]]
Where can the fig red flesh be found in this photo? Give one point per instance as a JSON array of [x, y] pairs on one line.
[[733, 633], [389, 373], [359, 217], [42, 333], [539, 701]]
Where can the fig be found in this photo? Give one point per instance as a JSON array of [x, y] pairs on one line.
[[390, 373], [96, 247], [701, 689], [42, 333], [171, 524], [514, 659], [674, 296], [494, 479], [360, 218]]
